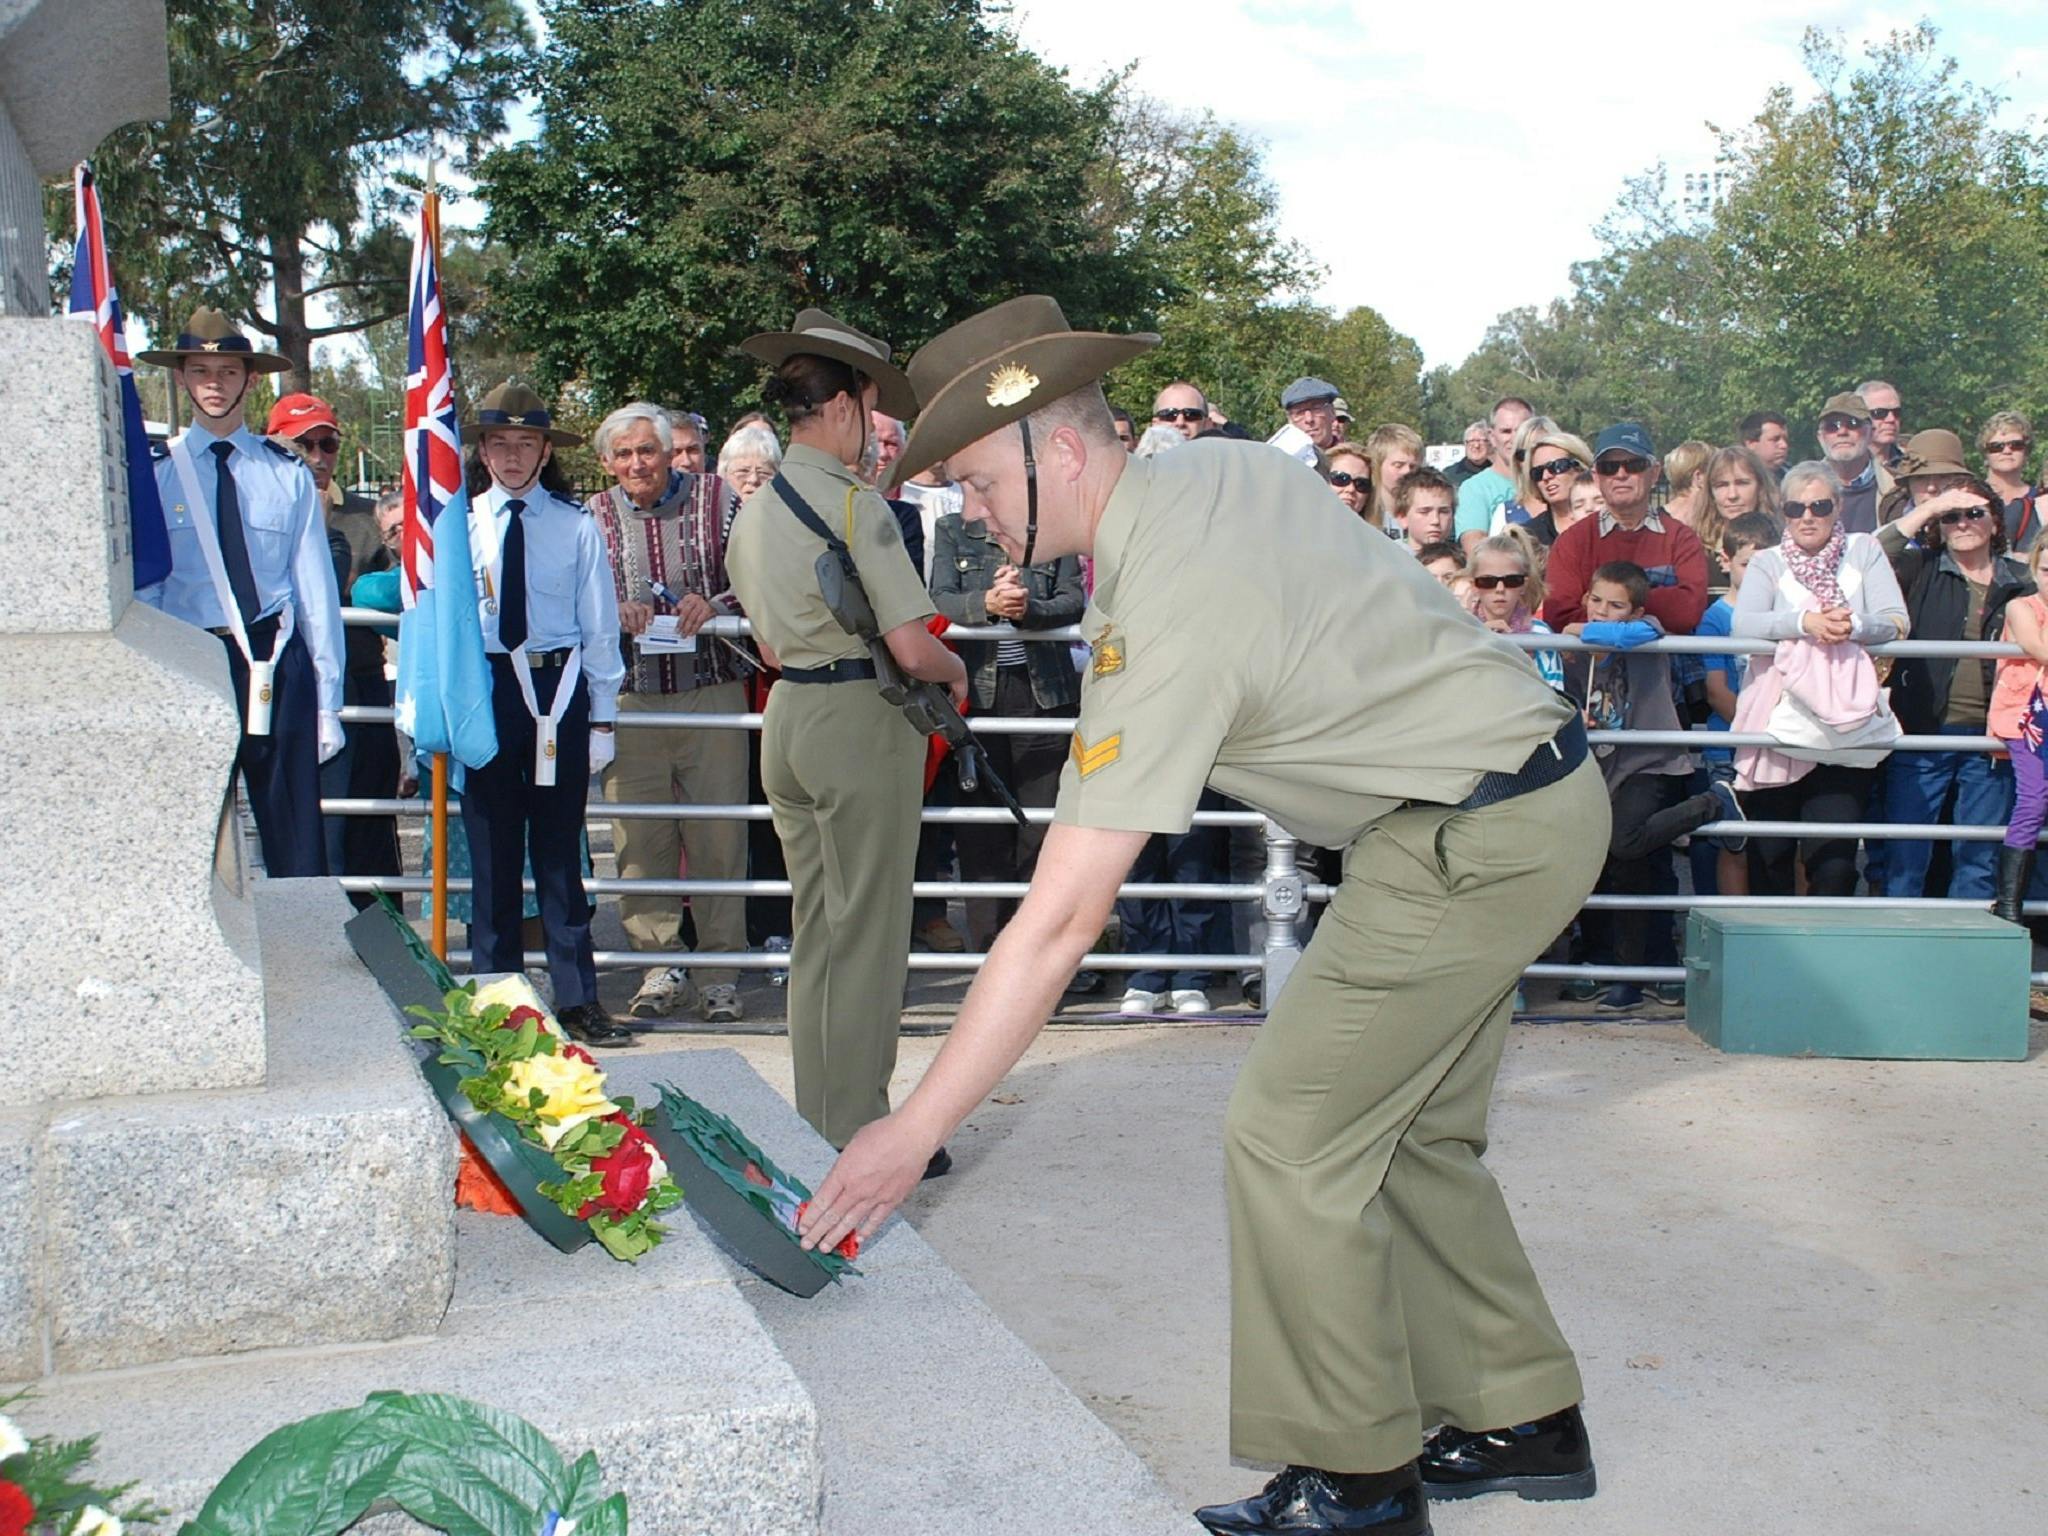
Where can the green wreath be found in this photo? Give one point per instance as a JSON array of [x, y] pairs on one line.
[[447, 1462]]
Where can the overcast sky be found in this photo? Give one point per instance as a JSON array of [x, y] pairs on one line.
[[1511, 127]]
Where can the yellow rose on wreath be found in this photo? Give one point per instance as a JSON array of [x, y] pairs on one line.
[[515, 992], [94, 1521], [572, 1092]]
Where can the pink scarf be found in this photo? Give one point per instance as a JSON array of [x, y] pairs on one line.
[[1818, 572]]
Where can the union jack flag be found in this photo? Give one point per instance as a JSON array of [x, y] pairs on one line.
[[433, 438], [93, 299], [444, 682]]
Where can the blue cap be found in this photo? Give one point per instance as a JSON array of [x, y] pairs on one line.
[[1629, 437], [1306, 391]]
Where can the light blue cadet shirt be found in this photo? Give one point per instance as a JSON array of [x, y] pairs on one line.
[[570, 597], [286, 531]]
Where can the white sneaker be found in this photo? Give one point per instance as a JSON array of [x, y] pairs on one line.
[[663, 994], [722, 1005], [1189, 1000], [1137, 1001]]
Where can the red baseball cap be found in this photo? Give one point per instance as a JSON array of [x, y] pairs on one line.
[[296, 415]]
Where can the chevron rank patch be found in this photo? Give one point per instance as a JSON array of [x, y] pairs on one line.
[[1093, 759]]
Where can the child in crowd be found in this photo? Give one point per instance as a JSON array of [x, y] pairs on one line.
[[1587, 500], [1446, 562], [2018, 716], [1627, 689], [1507, 594], [1717, 872], [1425, 508]]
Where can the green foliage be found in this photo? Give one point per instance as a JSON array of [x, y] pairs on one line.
[[455, 1465], [268, 174], [702, 171], [52, 1474], [1888, 228]]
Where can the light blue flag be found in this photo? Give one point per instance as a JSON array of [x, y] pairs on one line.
[[444, 680]]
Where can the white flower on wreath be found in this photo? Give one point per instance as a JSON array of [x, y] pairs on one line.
[[516, 992], [12, 1441], [557, 1525], [94, 1521]]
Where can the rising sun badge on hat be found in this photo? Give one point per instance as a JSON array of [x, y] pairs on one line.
[[1000, 365]]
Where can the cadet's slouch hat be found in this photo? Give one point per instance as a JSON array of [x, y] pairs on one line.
[[819, 335], [209, 333], [998, 366], [513, 404]]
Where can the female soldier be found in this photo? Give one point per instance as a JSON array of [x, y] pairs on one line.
[[843, 769]]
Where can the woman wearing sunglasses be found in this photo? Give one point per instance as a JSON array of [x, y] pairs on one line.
[[1553, 463], [1949, 549], [2005, 442], [1350, 476], [1822, 585]]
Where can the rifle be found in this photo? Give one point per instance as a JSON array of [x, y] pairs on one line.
[[927, 706]]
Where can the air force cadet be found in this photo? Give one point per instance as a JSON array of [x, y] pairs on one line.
[[249, 561], [551, 630]]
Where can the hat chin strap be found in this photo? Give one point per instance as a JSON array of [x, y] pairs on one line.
[[234, 406], [1030, 497]]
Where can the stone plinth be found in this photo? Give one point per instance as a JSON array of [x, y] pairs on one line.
[[127, 966], [316, 1209]]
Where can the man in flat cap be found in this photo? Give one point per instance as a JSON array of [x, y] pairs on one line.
[[1311, 407], [1378, 1286], [250, 562]]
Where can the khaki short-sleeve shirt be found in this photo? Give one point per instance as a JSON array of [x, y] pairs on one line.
[[1249, 632], [772, 560]]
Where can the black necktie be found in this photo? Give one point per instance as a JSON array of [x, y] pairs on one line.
[[512, 583], [234, 541]]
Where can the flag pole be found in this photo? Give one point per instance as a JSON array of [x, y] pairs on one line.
[[440, 811]]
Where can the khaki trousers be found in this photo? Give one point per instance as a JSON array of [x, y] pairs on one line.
[[844, 773], [1377, 1284], [685, 766]]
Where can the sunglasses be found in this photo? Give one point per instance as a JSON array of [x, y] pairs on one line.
[[1339, 477], [1883, 412], [1622, 466], [1794, 510], [1552, 467], [1965, 514], [1840, 424], [327, 444], [1512, 583], [2010, 445], [1181, 413]]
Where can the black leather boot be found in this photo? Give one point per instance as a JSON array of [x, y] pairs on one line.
[[589, 1024], [1302, 1501], [1547, 1459], [2015, 869]]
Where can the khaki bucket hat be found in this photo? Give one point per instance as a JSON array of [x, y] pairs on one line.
[[209, 333], [513, 404], [818, 334]]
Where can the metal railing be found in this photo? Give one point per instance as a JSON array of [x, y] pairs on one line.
[[1282, 894]]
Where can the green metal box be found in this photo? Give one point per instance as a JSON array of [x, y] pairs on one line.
[[1940, 985]]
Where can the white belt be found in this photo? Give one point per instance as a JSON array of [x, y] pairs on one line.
[[262, 674], [546, 725]]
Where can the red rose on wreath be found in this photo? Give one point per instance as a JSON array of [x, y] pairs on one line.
[[575, 1053], [627, 1171], [519, 1016], [849, 1245], [15, 1510]]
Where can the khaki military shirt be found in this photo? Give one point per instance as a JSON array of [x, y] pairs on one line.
[[1247, 631], [772, 560]]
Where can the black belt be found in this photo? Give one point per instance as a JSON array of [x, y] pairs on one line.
[[1552, 761], [258, 630], [539, 659], [838, 672]]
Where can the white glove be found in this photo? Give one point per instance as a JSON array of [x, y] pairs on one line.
[[332, 737], [604, 746]]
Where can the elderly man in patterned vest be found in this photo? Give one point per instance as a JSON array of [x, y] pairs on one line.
[[665, 530]]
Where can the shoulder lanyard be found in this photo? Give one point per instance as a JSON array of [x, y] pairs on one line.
[[262, 674], [546, 726]]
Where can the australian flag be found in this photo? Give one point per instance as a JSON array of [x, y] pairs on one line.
[[444, 682], [93, 297]]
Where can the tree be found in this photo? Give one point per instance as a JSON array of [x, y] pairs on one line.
[[703, 171], [263, 192], [1188, 199], [1888, 227]]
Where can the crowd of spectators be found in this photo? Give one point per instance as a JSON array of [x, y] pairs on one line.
[[1532, 526]]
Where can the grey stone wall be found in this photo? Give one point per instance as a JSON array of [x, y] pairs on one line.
[[24, 287]]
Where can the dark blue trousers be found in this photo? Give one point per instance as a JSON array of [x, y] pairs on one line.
[[281, 771], [507, 816], [1200, 855]]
